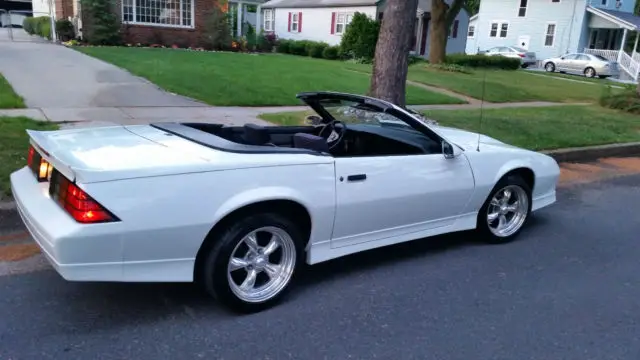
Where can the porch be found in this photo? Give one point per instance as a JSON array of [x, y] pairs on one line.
[[244, 14], [614, 35]]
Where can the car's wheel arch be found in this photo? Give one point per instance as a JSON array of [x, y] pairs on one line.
[[526, 173], [240, 206]]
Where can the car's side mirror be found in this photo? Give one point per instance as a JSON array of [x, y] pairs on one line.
[[449, 151]]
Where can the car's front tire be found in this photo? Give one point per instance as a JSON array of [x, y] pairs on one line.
[[251, 265], [506, 210], [550, 67]]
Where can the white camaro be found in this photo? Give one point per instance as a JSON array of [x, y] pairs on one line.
[[237, 209]]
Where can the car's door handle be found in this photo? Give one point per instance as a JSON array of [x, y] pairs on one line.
[[359, 177]]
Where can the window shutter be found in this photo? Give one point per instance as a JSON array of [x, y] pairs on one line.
[[333, 23], [289, 28], [300, 22], [455, 28]]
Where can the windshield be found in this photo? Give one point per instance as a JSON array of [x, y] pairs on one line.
[[350, 112]]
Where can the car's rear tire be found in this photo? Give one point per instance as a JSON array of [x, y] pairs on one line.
[[590, 72], [251, 265], [500, 222]]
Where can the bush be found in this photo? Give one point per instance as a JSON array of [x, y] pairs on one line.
[[483, 61], [316, 49], [331, 52], [40, 26], [65, 30], [414, 59], [360, 38], [628, 100], [450, 68], [28, 25], [298, 48], [217, 33], [284, 46], [266, 42], [104, 28]]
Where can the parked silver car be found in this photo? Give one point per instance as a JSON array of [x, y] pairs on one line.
[[589, 65], [526, 57]]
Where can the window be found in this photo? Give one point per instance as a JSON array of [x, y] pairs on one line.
[[550, 34], [502, 27], [295, 22], [454, 31], [603, 2], [268, 20], [555, 1], [472, 31], [341, 20], [522, 11], [171, 13]]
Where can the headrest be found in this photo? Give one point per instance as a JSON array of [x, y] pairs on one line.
[[310, 142], [256, 134]]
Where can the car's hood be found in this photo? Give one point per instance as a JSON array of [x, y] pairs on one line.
[[466, 139]]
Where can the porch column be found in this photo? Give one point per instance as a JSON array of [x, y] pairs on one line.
[[635, 45], [624, 39], [258, 20], [240, 9]]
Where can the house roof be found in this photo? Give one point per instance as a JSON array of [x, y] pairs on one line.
[[623, 19], [317, 3]]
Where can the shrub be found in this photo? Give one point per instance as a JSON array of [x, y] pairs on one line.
[[104, 28], [298, 48], [42, 26], [65, 30], [284, 46], [316, 49], [628, 100], [360, 38], [414, 59], [217, 33], [330, 52], [28, 25], [266, 42], [483, 61]]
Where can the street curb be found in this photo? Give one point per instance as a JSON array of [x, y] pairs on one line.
[[592, 153], [10, 220]]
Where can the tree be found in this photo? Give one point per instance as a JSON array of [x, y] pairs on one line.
[[442, 17], [391, 61]]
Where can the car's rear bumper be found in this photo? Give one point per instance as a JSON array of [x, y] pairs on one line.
[[63, 241]]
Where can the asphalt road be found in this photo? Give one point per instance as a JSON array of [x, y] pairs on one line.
[[568, 289]]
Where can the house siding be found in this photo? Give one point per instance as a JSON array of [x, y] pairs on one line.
[[568, 15], [626, 6], [472, 42], [316, 23], [40, 8]]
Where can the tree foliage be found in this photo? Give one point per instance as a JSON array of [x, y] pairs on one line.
[[360, 38], [104, 27]]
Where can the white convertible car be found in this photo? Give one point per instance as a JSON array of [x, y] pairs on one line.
[[237, 209]]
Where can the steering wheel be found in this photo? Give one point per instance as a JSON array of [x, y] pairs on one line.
[[333, 132]]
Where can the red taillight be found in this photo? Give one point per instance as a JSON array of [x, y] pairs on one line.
[[521, 55], [40, 167], [77, 202], [32, 152]]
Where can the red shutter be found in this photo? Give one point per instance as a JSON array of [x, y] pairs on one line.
[[333, 23], [300, 22], [455, 29], [289, 29]]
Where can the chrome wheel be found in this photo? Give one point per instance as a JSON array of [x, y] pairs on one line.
[[262, 264], [507, 211]]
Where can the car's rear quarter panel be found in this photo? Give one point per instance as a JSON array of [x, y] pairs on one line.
[[165, 219]]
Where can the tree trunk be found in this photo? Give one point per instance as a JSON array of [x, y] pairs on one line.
[[391, 61], [442, 17]]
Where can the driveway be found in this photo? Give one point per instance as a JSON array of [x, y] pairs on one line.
[[568, 289]]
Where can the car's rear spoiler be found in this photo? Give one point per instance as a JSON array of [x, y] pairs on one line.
[[39, 141]]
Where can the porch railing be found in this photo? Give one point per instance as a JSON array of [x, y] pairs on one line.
[[629, 65], [611, 55]]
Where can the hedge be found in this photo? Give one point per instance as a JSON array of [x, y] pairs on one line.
[[314, 49], [483, 61], [40, 26]]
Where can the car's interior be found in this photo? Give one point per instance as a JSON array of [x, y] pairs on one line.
[[329, 135]]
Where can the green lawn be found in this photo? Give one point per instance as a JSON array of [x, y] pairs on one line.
[[14, 143], [228, 79], [502, 85], [535, 128], [8, 98]]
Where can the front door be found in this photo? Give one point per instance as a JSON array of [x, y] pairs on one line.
[[382, 197]]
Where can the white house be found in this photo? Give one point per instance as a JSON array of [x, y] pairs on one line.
[[556, 27], [326, 20]]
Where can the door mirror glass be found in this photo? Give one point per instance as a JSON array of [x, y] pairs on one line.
[[449, 151]]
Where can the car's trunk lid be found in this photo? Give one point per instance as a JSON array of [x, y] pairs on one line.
[[118, 152]]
